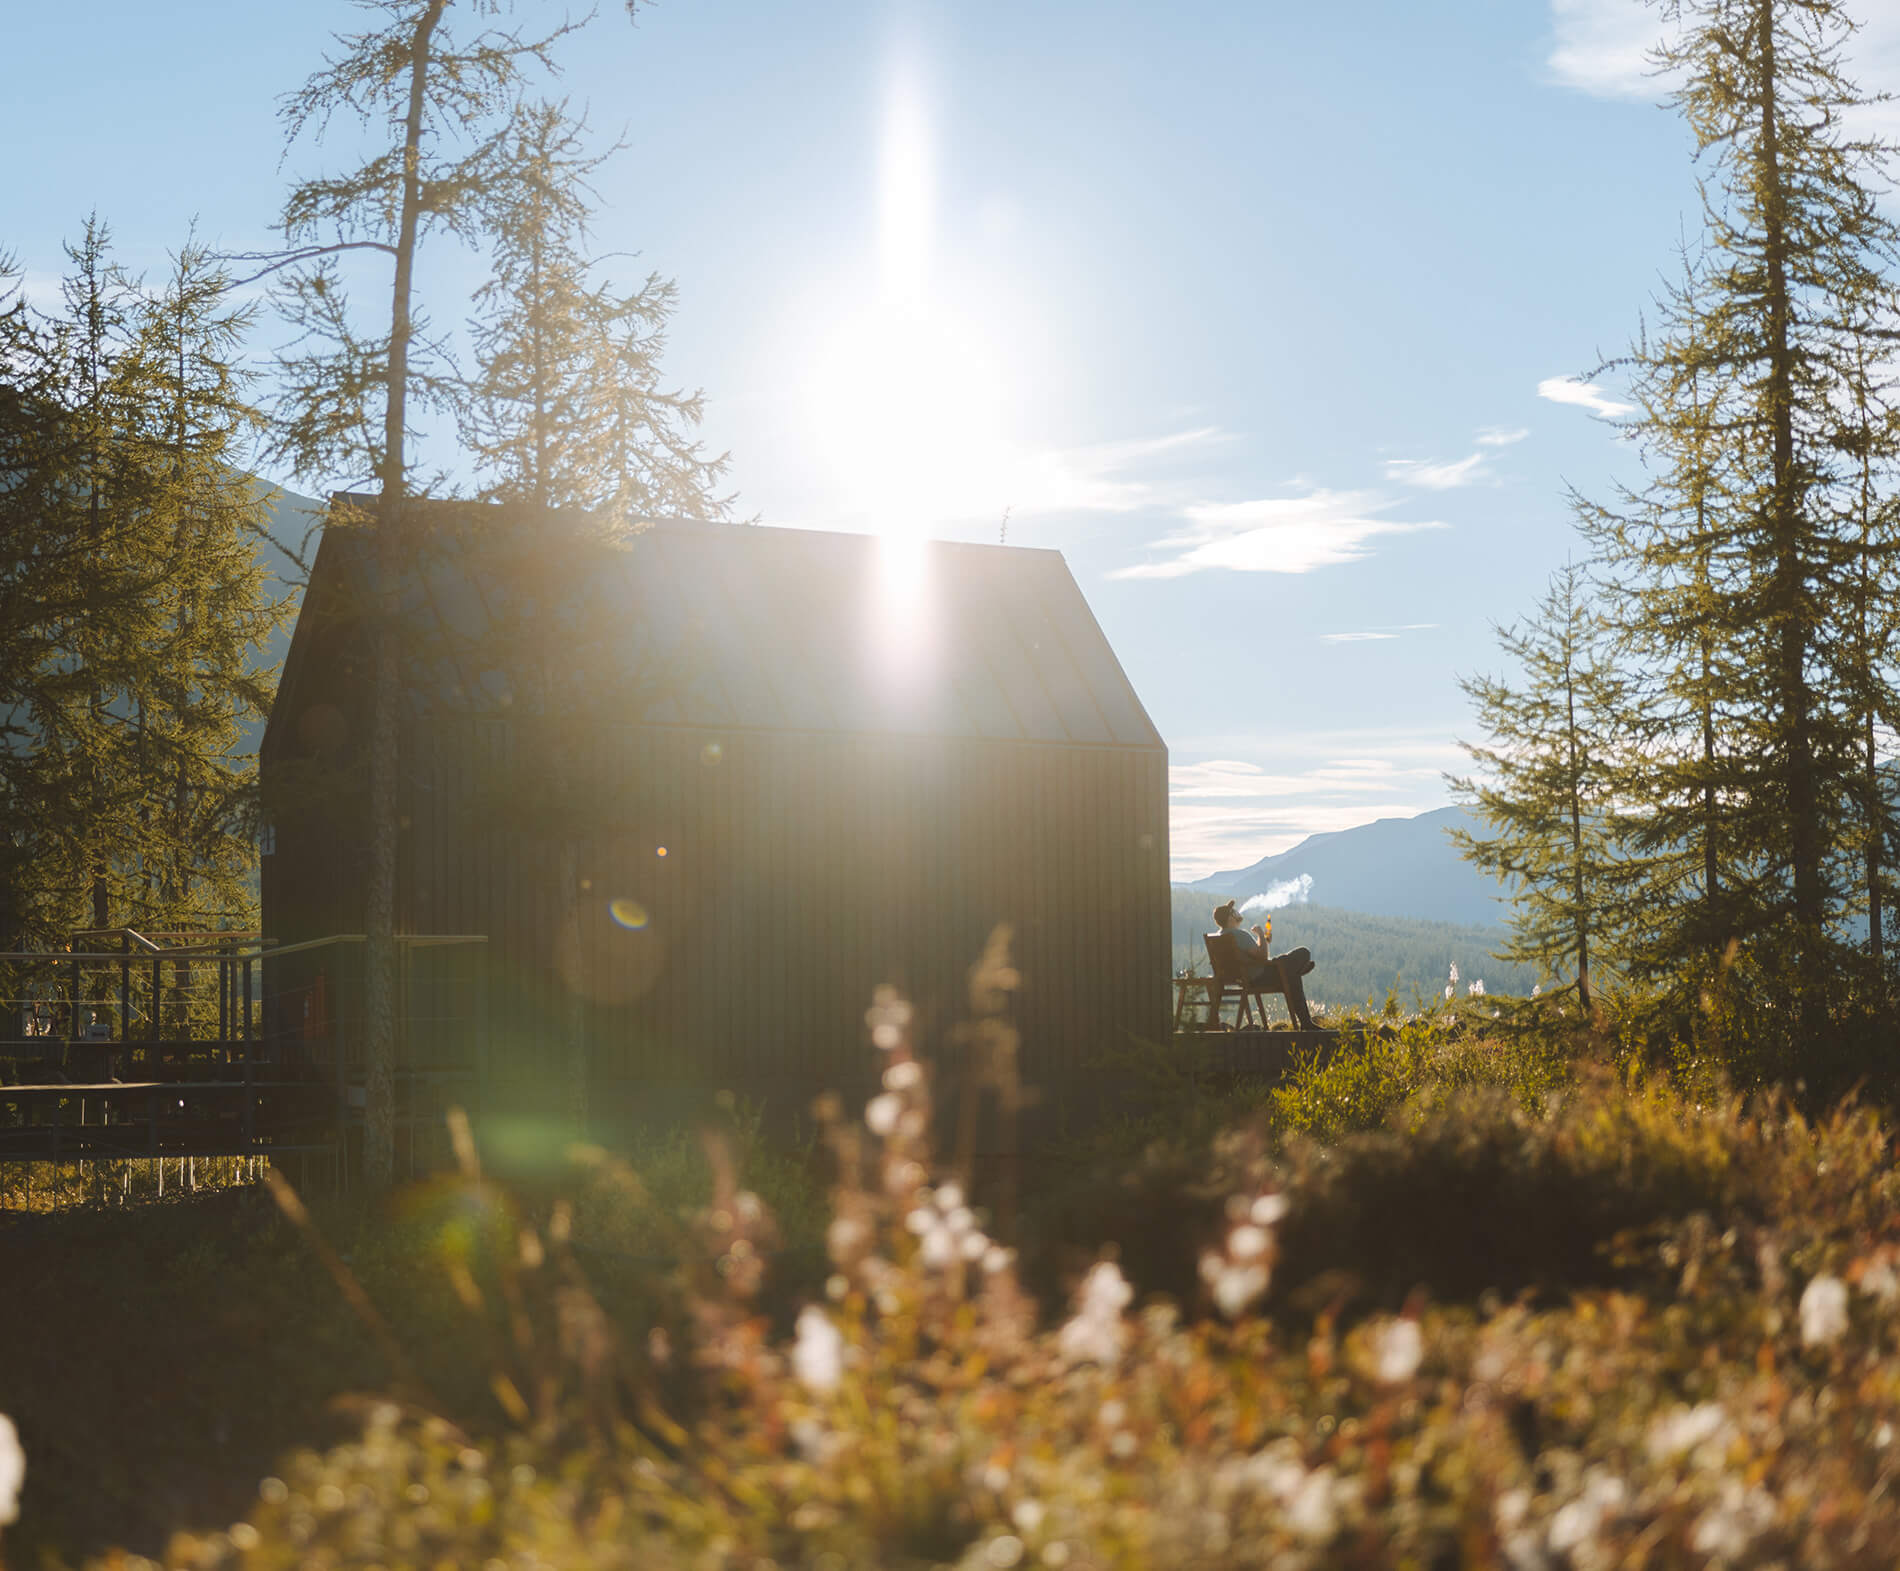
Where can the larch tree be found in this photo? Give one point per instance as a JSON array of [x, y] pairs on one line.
[[577, 434], [1547, 787], [1668, 549], [132, 612], [1799, 256], [441, 111]]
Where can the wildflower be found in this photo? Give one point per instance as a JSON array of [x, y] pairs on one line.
[[1476, 989], [1578, 1523], [12, 1471], [818, 1354], [1454, 971], [1267, 1210], [1726, 1529], [1879, 1279], [1687, 1428], [1096, 1333], [882, 1111], [1248, 1242], [1235, 1286], [1537, 989], [1448, 989], [1312, 1513], [1027, 1516], [1398, 1349], [996, 1258], [844, 1235], [1004, 1552], [888, 1017], [1823, 1311], [939, 1250], [902, 1076]]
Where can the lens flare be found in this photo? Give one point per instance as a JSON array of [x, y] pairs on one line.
[[629, 913], [711, 753]]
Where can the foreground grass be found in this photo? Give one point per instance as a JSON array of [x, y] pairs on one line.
[[1445, 1299]]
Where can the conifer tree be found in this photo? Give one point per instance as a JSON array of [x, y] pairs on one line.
[[1547, 793], [577, 435], [131, 604], [440, 111], [1799, 253]]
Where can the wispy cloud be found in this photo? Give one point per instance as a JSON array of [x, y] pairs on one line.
[[1376, 634], [1585, 395], [1106, 477], [1227, 811], [1602, 47], [1434, 476], [1501, 436], [1275, 534]]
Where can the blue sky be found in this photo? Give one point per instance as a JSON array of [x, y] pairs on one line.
[[1245, 308]]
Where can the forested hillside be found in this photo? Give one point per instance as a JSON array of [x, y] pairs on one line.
[[1357, 956]]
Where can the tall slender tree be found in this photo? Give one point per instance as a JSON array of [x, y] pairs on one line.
[[1547, 791], [1800, 254], [131, 607], [442, 110], [575, 431]]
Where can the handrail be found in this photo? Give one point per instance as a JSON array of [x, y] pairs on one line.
[[414, 940]]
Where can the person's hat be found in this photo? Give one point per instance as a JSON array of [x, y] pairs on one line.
[[1223, 914]]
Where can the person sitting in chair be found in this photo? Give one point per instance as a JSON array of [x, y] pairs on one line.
[[1292, 965]]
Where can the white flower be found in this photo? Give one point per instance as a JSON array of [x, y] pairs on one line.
[[949, 1197], [1235, 1287], [1095, 1333], [818, 1354], [1268, 1209], [901, 1077], [1398, 1349], [1248, 1242], [1027, 1516], [1726, 1529], [1880, 1280], [1476, 989], [1448, 988], [1537, 989], [1311, 1513], [1004, 1552], [12, 1471], [887, 1017], [844, 1235], [1823, 1311], [882, 1111], [1686, 1428], [939, 1248], [1579, 1522], [1454, 970], [997, 1258], [973, 1246]]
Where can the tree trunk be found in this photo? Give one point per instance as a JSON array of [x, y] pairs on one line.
[[572, 969], [1788, 610], [379, 1106]]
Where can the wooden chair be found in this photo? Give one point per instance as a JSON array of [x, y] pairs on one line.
[[1231, 980]]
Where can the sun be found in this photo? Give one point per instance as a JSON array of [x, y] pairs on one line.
[[905, 396]]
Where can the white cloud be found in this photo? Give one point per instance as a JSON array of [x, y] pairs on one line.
[[1098, 478], [1376, 633], [1501, 436], [1275, 534], [1436, 476], [1602, 47], [1585, 395], [1227, 810]]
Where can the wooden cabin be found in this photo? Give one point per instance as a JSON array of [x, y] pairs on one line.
[[715, 783]]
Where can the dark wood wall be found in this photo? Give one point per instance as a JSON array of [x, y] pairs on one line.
[[799, 871]]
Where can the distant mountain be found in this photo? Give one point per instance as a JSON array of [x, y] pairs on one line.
[[1394, 867]]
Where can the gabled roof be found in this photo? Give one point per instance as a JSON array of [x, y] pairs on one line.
[[795, 629]]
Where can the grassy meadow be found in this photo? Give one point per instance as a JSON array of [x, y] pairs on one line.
[[1474, 1288]]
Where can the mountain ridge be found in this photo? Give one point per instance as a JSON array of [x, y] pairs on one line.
[[1400, 867]]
